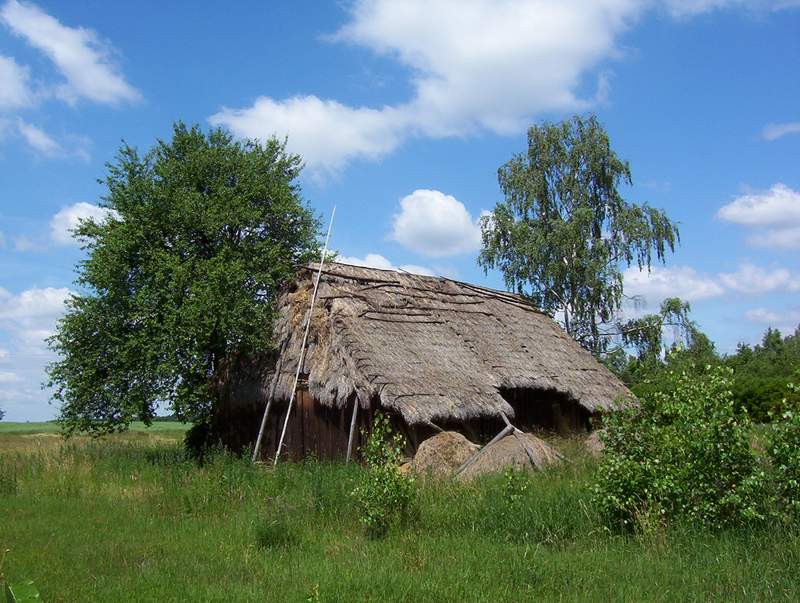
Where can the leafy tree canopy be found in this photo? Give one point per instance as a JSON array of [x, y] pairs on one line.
[[564, 233], [181, 277]]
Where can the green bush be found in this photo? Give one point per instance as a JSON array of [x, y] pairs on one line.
[[384, 495], [682, 453], [784, 455]]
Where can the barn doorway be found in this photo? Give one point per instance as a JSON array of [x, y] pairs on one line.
[[536, 409]]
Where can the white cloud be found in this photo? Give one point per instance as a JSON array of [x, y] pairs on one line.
[[478, 65], [475, 65], [658, 284], [26, 320], [9, 377], [3, 354], [65, 221], [326, 134], [754, 279], [78, 53], [775, 131], [14, 84], [785, 320], [435, 224], [38, 139], [374, 260], [774, 214], [32, 304]]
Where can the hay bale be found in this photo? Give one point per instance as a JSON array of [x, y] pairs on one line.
[[509, 452], [443, 453], [594, 445]]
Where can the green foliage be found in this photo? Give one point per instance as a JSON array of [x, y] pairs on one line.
[[563, 233], [181, 278], [276, 532], [784, 455], [763, 373], [385, 495], [683, 454], [120, 532]]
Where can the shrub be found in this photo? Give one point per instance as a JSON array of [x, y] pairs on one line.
[[682, 453], [384, 495], [784, 455]]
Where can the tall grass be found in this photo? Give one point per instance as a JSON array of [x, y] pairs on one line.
[[134, 519]]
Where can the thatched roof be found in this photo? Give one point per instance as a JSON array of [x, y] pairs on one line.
[[429, 348]]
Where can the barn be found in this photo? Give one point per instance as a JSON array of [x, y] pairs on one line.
[[432, 353]]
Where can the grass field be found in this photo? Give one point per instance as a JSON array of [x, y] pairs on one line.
[[128, 518], [53, 427]]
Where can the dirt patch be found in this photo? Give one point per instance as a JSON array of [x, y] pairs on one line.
[[443, 454], [523, 450]]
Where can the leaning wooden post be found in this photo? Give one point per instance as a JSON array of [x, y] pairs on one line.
[[305, 338], [515, 432], [478, 454], [271, 397], [352, 429]]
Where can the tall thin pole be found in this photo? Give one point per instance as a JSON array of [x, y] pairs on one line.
[[270, 398], [352, 429], [305, 338]]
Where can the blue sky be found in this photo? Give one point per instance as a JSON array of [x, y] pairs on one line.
[[403, 112]]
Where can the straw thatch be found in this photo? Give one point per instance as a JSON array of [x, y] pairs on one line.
[[519, 450], [443, 454], [428, 348]]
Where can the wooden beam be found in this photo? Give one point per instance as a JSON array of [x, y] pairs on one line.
[[352, 429], [478, 454]]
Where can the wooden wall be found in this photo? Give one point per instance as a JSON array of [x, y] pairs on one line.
[[322, 432], [313, 429]]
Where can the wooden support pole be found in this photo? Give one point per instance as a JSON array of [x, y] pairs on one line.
[[270, 398], [516, 432], [478, 454], [352, 429], [302, 357]]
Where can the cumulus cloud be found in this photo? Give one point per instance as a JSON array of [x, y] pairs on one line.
[[32, 304], [660, 282], [773, 215], [83, 59], [775, 131], [478, 65], [325, 133], [752, 279], [435, 224], [374, 260], [67, 220], [15, 89], [26, 320]]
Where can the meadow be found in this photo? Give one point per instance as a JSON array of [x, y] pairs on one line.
[[130, 518]]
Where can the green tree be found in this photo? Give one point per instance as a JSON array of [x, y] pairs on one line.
[[564, 233], [180, 279]]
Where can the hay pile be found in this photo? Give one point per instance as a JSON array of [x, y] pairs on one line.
[[443, 454], [511, 452]]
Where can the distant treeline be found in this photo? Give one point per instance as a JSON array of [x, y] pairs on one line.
[[761, 373]]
